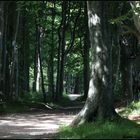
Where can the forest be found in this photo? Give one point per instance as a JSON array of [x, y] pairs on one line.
[[69, 69]]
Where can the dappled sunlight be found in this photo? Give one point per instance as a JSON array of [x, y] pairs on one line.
[[73, 97], [94, 19], [27, 125], [131, 111]]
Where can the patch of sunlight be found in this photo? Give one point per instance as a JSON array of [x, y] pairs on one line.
[[36, 133], [41, 126], [91, 89], [103, 79], [135, 112], [97, 65], [98, 49], [73, 97], [105, 69], [94, 19], [84, 110], [8, 136]]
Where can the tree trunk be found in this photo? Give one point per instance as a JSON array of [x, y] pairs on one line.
[[86, 47], [38, 74], [14, 90], [58, 66], [99, 103], [16, 57], [77, 83], [39, 38], [24, 55], [36, 82], [136, 16], [51, 59], [5, 55], [60, 78], [1, 41], [127, 62], [35, 69]]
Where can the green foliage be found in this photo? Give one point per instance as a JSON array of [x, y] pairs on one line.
[[32, 97], [13, 107], [106, 129], [110, 130], [120, 19], [131, 109]]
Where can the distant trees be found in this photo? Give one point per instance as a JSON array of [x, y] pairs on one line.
[[45, 49], [9, 50], [36, 41]]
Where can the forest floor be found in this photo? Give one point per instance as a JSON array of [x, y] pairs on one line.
[[37, 123]]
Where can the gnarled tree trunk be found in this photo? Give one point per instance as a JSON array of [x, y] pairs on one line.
[[99, 103]]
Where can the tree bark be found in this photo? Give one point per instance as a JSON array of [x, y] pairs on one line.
[[24, 55], [86, 70], [77, 83], [1, 41], [99, 103], [14, 93], [51, 58], [136, 17], [39, 38], [60, 77], [37, 74]]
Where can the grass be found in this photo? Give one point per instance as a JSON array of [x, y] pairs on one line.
[[35, 100], [109, 130], [13, 107], [131, 109], [106, 130]]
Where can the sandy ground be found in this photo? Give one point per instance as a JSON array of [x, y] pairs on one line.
[[39, 124], [35, 123]]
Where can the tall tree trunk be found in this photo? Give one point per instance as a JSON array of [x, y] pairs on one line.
[[136, 17], [86, 47], [99, 103], [58, 65], [35, 69], [126, 68], [1, 41], [51, 59], [59, 90], [62, 60], [24, 55], [39, 38], [14, 68], [77, 83], [37, 74], [5, 55], [16, 56]]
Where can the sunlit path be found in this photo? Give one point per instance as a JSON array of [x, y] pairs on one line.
[[33, 124], [73, 97]]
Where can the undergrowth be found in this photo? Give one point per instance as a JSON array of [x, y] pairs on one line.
[[131, 109], [109, 130], [117, 129]]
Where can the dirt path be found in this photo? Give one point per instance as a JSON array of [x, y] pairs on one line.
[[37, 123], [34, 124]]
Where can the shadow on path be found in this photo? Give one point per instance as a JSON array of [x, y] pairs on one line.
[[35, 124]]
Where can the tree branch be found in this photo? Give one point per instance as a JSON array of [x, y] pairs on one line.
[[131, 30]]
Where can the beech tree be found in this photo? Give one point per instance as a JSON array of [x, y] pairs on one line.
[[99, 103]]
